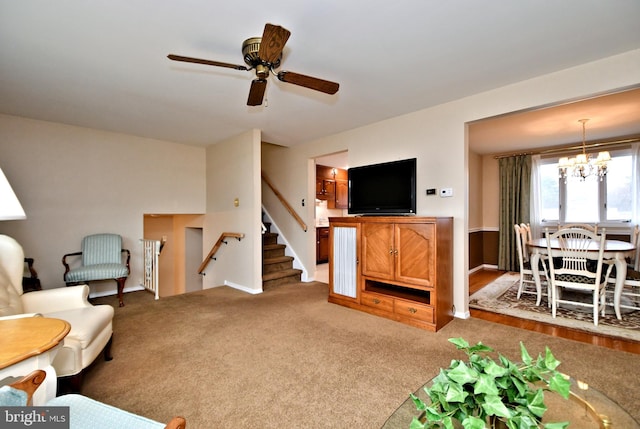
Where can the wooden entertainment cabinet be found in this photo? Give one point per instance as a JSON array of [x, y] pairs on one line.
[[398, 267]]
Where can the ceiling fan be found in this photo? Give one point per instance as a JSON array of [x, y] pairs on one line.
[[264, 55]]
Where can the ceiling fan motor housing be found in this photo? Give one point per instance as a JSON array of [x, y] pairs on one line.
[[250, 49]]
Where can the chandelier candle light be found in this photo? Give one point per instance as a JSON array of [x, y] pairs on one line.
[[583, 166]]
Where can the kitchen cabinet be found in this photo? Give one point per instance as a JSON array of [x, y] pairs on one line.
[[342, 194], [322, 245], [331, 185], [326, 190]]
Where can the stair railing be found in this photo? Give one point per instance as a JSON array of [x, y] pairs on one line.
[[284, 202], [216, 246]]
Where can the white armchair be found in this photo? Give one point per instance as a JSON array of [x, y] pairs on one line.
[[91, 325]]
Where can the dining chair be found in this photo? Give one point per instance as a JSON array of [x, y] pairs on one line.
[[587, 226], [523, 233], [635, 239], [631, 290], [542, 264], [571, 268]]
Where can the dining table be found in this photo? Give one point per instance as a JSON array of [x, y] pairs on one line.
[[616, 251]]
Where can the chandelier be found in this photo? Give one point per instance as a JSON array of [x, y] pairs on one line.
[[583, 165]]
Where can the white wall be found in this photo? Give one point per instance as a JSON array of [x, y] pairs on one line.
[[437, 137], [233, 172], [76, 181]]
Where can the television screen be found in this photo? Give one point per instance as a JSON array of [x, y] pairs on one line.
[[387, 188]]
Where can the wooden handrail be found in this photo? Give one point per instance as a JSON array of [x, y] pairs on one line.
[[284, 202], [216, 246]]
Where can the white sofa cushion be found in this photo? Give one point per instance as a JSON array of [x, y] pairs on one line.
[[10, 302], [86, 322]]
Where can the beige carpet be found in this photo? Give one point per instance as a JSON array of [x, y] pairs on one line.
[[289, 359], [501, 297]]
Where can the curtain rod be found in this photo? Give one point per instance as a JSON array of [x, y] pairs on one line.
[[603, 144]]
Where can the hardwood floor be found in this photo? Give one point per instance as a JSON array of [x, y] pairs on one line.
[[481, 278]]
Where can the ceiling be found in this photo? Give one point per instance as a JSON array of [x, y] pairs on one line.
[[104, 65]]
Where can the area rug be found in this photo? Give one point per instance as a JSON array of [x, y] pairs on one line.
[[501, 297]]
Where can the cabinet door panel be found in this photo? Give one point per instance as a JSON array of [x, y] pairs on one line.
[[415, 262], [342, 194], [343, 261], [322, 241], [377, 250]]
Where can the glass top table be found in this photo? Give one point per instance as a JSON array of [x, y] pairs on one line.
[[586, 408]]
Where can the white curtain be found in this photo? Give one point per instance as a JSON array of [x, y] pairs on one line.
[[635, 150]]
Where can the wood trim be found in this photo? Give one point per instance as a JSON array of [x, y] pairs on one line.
[[216, 246], [284, 202]]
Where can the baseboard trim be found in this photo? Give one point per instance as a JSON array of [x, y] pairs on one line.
[[242, 288], [100, 294]]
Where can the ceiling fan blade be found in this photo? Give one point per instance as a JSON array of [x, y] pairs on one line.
[[205, 62], [274, 38], [256, 93], [309, 82]]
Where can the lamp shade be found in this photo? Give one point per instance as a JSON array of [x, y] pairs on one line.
[[10, 208]]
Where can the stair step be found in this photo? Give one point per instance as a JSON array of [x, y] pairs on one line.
[[273, 250], [281, 277], [279, 263], [270, 238]]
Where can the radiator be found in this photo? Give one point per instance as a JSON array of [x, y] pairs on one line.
[[150, 251], [344, 261]]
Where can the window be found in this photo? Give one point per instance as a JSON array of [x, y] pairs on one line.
[[609, 201]]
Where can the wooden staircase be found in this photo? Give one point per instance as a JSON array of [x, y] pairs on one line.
[[277, 268]]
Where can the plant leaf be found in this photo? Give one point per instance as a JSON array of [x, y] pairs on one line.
[[462, 374], [561, 385], [432, 415], [419, 403], [485, 384], [494, 369], [525, 356], [456, 393], [416, 424], [493, 406], [472, 422], [460, 343], [536, 403], [480, 348], [550, 361]]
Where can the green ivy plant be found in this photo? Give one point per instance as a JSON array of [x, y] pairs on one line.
[[481, 391]]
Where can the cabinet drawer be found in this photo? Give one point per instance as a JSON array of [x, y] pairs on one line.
[[413, 310], [377, 301]]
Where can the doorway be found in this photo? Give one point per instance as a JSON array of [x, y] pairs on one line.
[[192, 255], [182, 252]]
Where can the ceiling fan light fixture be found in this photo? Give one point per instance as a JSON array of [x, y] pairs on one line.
[[264, 54], [251, 54]]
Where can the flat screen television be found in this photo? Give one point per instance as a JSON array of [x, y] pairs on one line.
[[381, 189]]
